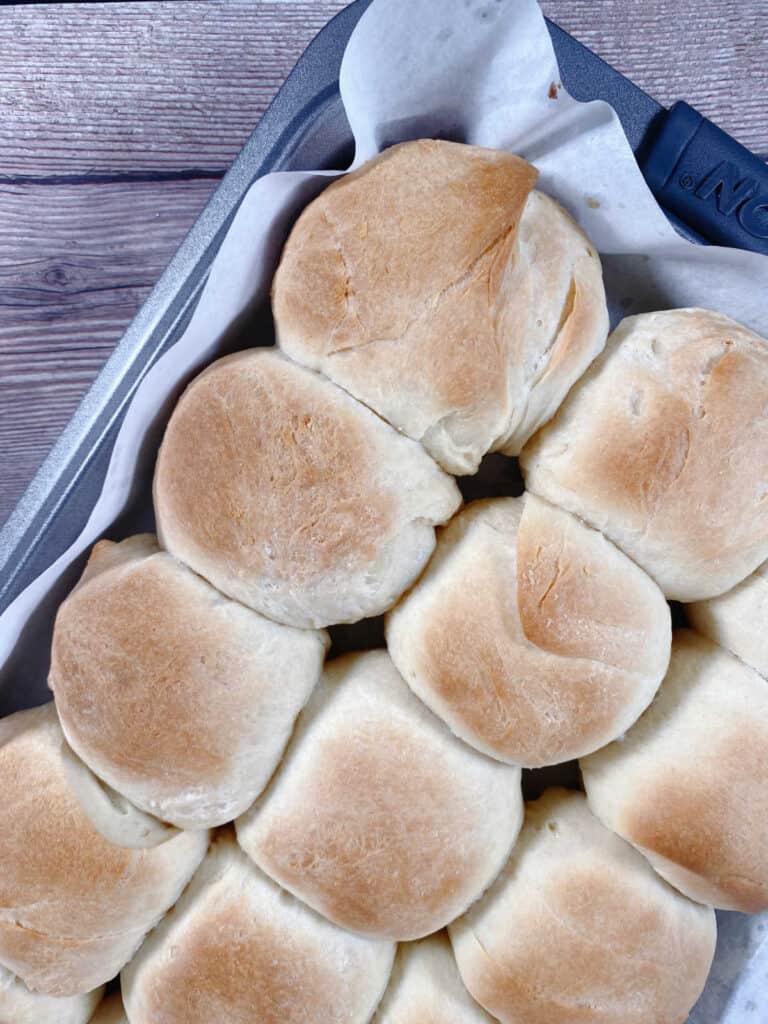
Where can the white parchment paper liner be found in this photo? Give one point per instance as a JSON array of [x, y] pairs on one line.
[[479, 71]]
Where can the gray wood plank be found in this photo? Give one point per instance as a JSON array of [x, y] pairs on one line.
[[76, 262], [142, 86], [174, 87]]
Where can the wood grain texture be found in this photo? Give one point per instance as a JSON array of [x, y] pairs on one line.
[[97, 93], [76, 262], [713, 54], [143, 86]]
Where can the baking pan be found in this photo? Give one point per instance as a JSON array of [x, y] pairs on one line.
[[304, 128]]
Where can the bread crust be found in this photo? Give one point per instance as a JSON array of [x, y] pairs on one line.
[[379, 818], [530, 635], [663, 447], [578, 929], [291, 497], [688, 784], [436, 287]]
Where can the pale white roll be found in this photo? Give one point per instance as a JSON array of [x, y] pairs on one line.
[[379, 818], [688, 784], [434, 285], [73, 907], [178, 698], [663, 446], [579, 929], [19, 1005], [531, 635], [425, 987], [237, 949], [293, 498], [738, 619]]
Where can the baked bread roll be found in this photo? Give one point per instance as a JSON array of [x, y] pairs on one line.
[[530, 635], [663, 447], [18, 1005], [688, 785], [434, 285], [73, 907], [180, 699], [291, 497], [379, 818], [237, 949], [111, 1011], [578, 929], [425, 988], [736, 620]]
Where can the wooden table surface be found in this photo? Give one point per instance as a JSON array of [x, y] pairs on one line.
[[118, 120]]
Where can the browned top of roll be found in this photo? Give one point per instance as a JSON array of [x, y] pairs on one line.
[[530, 634], [178, 698], [73, 907], [688, 784], [579, 929], [239, 950], [434, 286], [663, 446], [293, 498], [379, 818]]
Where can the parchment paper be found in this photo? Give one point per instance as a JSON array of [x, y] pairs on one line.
[[480, 71]]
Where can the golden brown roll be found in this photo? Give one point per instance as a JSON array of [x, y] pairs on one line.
[[434, 285], [73, 907], [579, 930], [293, 498], [237, 949], [178, 698], [18, 1005], [688, 785], [425, 988], [736, 620], [530, 635], [379, 818], [663, 446]]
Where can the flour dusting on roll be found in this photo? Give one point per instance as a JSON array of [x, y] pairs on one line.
[[434, 285], [73, 907], [663, 446], [688, 785], [379, 818], [578, 928], [293, 498], [237, 949], [178, 698], [533, 637]]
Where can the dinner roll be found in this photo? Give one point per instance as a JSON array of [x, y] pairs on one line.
[[293, 498], [688, 785], [111, 1011], [579, 930], [379, 818], [664, 447], [18, 1005], [425, 988], [532, 636], [237, 949], [737, 619], [436, 287], [180, 699], [73, 907]]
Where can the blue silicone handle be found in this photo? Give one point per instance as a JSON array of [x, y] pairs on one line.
[[708, 180]]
